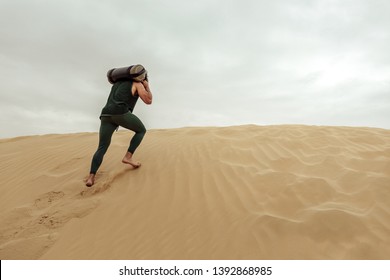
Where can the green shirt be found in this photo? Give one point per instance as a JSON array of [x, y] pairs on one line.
[[120, 101]]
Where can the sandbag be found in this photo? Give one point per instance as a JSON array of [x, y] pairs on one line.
[[133, 72]]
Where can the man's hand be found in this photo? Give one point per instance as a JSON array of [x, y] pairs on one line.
[[146, 85]]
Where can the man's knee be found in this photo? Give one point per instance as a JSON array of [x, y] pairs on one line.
[[141, 129]]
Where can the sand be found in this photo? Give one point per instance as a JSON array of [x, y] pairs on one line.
[[241, 192]]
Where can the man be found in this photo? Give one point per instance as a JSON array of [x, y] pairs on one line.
[[119, 112]]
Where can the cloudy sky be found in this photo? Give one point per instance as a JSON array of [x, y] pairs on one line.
[[210, 62]]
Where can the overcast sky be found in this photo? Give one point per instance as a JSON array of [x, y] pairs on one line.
[[210, 62]]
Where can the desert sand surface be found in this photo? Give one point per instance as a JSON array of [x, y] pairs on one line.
[[240, 192]]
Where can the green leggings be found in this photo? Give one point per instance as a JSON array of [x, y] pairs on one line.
[[107, 127]]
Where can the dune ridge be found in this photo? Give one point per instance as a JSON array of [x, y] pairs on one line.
[[240, 192]]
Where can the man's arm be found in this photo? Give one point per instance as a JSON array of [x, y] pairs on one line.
[[144, 92]]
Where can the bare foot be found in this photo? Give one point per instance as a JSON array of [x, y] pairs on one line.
[[90, 180], [135, 164], [127, 159]]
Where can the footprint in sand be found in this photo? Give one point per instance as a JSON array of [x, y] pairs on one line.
[[48, 198], [39, 223]]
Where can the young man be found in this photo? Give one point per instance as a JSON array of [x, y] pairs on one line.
[[119, 112]]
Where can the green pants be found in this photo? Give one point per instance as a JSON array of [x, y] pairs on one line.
[[107, 127]]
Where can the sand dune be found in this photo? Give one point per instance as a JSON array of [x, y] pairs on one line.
[[244, 192]]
